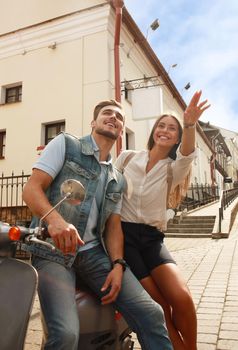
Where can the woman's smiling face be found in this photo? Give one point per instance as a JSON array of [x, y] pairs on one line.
[[167, 132]]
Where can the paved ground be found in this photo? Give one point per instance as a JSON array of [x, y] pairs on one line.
[[211, 270]]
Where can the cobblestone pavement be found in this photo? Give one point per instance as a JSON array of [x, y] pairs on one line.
[[211, 270]]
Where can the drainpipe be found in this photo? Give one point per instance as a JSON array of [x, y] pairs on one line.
[[118, 5]]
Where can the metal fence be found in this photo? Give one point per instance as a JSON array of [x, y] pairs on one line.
[[12, 208], [14, 211], [199, 195]]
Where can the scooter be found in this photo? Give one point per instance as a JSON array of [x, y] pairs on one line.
[[18, 284], [101, 327]]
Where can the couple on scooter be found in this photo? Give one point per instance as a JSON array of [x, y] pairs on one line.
[[88, 236]]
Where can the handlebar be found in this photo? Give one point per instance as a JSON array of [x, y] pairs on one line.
[[10, 234], [71, 190]]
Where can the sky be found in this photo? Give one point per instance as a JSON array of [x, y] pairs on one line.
[[201, 37]]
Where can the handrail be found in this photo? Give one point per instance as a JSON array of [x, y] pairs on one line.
[[227, 196]]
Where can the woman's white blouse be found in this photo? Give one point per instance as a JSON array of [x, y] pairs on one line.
[[144, 201]]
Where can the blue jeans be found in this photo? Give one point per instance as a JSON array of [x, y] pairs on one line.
[[57, 298]]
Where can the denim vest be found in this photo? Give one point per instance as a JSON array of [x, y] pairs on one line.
[[81, 164]]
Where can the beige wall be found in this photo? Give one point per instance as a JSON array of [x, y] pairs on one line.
[[201, 172], [58, 84], [231, 139]]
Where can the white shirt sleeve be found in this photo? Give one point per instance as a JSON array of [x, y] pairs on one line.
[[181, 166], [52, 158]]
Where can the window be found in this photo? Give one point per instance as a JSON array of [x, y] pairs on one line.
[[51, 130], [2, 144], [129, 139], [13, 94]]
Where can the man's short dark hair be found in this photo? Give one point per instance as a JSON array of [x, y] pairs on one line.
[[105, 103]]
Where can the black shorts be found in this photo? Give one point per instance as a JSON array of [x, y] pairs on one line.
[[144, 248]]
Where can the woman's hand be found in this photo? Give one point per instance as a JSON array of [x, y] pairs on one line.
[[195, 109]]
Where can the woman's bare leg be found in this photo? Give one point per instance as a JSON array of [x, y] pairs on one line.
[[174, 290], [150, 286]]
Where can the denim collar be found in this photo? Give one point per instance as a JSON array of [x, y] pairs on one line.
[[89, 147]]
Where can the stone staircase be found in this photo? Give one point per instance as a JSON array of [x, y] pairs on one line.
[[190, 226]]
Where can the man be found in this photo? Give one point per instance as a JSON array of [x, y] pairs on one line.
[[88, 236]]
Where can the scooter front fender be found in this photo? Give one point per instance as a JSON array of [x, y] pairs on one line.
[[18, 285]]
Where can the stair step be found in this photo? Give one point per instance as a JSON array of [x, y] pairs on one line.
[[210, 217], [188, 235], [199, 216], [197, 219], [191, 226], [190, 230], [188, 225]]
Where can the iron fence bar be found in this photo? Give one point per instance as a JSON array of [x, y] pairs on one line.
[[12, 207]]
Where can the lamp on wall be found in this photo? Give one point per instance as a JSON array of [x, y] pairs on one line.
[[172, 66], [187, 86], [52, 45], [154, 25]]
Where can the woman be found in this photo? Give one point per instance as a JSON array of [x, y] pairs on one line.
[[144, 217]]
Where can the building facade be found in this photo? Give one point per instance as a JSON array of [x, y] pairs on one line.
[[57, 62]]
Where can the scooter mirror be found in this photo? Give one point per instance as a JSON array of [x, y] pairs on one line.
[[73, 190]]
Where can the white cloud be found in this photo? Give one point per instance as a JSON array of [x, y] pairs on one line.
[[201, 37]]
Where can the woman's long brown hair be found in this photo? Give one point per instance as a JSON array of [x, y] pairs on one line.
[[179, 192]]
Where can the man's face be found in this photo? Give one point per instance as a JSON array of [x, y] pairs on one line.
[[109, 122]]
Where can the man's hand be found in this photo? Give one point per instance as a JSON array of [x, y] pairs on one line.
[[113, 282], [65, 236]]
